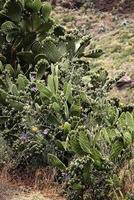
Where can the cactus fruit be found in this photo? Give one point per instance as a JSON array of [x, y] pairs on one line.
[[67, 127], [36, 6], [41, 68]]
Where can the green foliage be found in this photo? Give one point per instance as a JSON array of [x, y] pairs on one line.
[[28, 34], [100, 155], [54, 107], [56, 162]]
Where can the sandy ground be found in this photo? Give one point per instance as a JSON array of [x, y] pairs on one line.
[[9, 192], [13, 192]]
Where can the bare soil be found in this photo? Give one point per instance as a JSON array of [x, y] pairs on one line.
[[117, 6], [122, 6], [10, 191], [38, 187]]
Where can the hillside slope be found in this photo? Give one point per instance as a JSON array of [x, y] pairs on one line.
[[113, 33]]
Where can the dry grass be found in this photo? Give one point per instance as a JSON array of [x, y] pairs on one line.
[[126, 175], [114, 34], [44, 181], [42, 189]]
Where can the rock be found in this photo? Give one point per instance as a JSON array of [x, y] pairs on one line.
[[124, 82]]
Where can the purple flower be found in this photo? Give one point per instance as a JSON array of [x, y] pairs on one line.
[[65, 176], [23, 137], [45, 132], [32, 76], [33, 89]]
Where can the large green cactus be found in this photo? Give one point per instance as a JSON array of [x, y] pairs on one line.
[[28, 34], [22, 24]]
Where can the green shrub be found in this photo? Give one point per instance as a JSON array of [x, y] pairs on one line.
[[99, 157], [31, 88]]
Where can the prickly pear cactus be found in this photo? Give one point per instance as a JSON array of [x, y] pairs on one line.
[[28, 34], [22, 24], [53, 105]]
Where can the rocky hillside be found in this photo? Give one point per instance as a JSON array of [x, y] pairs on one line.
[[122, 6]]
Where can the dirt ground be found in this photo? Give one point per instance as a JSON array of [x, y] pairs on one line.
[[10, 191], [122, 6], [116, 6]]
